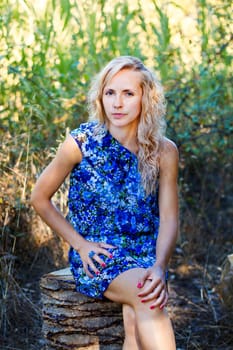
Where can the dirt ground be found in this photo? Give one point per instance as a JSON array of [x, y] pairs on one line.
[[200, 320]]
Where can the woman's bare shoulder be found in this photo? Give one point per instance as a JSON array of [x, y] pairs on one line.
[[69, 150], [169, 155], [169, 147]]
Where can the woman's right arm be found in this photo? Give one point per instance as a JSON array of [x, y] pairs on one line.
[[68, 155], [48, 183]]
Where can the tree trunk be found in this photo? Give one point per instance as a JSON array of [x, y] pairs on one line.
[[74, 321], [225, 288]]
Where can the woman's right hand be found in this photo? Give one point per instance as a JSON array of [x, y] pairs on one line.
[[89, 253]]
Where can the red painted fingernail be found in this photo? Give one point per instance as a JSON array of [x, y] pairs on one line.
[[139, 285], [143, 301], [152, 307], [103, 265], [97, 272], [110, 256], [161, 307]]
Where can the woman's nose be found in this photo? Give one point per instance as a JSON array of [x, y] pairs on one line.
[[117, 101]]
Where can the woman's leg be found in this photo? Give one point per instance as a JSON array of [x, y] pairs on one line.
[[131, 334], [154, 327]]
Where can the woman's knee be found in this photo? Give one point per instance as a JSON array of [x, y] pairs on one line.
[[129, 320], [130, 326]]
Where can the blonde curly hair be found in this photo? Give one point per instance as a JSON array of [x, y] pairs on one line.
[[151, 127]]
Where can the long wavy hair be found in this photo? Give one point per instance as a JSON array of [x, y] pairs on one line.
[[151, 127]]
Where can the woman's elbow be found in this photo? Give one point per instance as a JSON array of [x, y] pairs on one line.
[[34, 199], [38, 200]]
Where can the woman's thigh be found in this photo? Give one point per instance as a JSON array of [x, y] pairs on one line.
[[123, 289]]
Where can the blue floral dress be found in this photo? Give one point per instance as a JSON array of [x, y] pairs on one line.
[[107, 203]]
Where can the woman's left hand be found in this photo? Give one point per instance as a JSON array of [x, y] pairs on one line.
[[153, 287]]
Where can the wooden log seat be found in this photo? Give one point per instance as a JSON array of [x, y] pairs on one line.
[[74, 321]]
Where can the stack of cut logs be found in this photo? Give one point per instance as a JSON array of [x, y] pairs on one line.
[[74, 321]]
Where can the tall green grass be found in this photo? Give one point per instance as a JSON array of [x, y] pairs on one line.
[[48, 58]]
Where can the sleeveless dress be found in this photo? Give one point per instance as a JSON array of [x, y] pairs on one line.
[[107, 203]]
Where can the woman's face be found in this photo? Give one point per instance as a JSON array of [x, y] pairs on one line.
[[122, 98]]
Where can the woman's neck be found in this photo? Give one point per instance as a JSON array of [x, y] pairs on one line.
[[126, 136]]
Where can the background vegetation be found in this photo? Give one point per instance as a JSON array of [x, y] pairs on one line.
[[49, 51]]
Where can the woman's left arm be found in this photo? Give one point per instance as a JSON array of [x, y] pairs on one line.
[[168, 205], [156, 290]]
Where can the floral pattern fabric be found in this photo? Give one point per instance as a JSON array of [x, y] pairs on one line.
[[107, 203]]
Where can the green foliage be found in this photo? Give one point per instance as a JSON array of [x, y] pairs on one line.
[[49, 55]]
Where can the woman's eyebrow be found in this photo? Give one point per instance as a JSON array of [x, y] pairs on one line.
[[124, 90], [108, 89], [129, 90]]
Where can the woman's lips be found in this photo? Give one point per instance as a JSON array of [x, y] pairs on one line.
[[118, 115]]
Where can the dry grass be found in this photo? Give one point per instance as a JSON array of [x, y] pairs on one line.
[[29, 250]]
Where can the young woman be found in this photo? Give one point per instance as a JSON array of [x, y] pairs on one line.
[[123, 206]]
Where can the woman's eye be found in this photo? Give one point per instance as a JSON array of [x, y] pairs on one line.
[[109, 93], [129, 93]]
